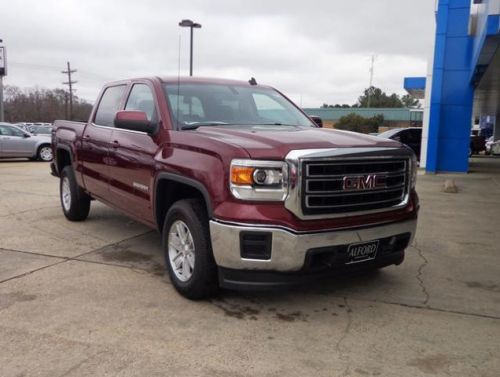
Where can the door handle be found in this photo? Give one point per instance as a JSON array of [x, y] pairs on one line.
[[115, 143], [86, 137]]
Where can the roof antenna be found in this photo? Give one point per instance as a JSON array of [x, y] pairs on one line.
[[252, 81]]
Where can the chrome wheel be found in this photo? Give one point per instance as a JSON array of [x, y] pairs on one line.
[[46, 154], [181, 250], [66, 194]]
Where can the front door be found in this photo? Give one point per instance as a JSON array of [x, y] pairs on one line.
[[132, 153]]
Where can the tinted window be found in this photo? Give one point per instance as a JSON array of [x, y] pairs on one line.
[[236, 105], [109, 105], [141, 99]]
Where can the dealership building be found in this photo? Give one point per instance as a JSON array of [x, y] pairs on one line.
[[462, 85]]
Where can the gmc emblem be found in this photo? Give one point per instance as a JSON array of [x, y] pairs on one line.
[[363, 182]]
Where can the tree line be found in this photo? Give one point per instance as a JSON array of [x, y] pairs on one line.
[[376, 98], [42, 105]]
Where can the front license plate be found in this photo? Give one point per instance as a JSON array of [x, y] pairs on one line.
[[361, 252]]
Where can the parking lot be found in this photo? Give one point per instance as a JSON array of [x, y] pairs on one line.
[[91, 298]]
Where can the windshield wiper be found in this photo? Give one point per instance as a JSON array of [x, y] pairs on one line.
[[195, 125], [275, 124]]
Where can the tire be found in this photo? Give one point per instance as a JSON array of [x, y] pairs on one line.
[[75, 202], [44, 153], [188, 251]]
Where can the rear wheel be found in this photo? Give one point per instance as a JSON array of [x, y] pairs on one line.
[[188, 251], [75, 202], [44, 153]]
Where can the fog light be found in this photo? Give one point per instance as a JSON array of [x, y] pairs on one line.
[[256, 245]]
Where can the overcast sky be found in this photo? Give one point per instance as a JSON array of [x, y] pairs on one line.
[[314, 51]]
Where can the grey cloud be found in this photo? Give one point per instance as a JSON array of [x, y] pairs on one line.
[[314, 50]]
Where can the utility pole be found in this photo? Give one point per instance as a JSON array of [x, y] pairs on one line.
[[70, 84], [3, 72], [372, 66]]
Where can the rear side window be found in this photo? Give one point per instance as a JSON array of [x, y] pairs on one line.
[[109, 105]]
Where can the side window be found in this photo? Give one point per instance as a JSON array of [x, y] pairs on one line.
[[141, 99], [10, 131], [270, 109], [109, 105], [16, 132]]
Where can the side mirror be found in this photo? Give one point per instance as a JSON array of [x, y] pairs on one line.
[[134, 120], [26, 135], [317, 120], [397, 138]]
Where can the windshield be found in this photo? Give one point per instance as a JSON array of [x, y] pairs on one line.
[[198, 104]]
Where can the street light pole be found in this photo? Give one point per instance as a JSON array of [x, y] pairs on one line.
[[192, 25]]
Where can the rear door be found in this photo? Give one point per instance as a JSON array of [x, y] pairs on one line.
[[133, 152], [15, 143], [95, 152]]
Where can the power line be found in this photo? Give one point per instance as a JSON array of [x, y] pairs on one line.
[[70, 85]]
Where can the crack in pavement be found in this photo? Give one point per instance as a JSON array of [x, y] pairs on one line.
[[29, 193], [420, 270], [495, 182], [338, 348], [67, 259], [25, 211]]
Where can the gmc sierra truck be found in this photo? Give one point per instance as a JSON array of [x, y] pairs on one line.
[[247, 191]]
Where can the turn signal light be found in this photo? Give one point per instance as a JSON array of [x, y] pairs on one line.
[[242, 175]]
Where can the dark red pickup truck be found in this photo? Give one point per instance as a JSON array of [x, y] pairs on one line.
[[245, 189]]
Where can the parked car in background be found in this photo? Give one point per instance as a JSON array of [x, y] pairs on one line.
[[23, 125], [489, 144], [41, 130], [495, 148], [477, 144], [15, 142], [411, 136]]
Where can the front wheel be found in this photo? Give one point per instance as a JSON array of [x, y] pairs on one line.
[[44, 153], [74, 201], [188, 252]]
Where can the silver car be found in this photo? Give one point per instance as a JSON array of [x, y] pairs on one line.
[[14, 142]]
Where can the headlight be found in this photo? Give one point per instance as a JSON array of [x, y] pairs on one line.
[[413, 172], [259, 180]]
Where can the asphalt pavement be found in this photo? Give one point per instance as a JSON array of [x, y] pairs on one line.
[[92, 298]]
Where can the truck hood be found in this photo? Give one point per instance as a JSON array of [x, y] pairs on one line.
[[274, 142]]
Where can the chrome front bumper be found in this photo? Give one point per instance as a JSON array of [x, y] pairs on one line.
[[289, 249]]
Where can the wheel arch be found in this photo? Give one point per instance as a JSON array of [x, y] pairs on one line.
[[63, 157], [170, 187]]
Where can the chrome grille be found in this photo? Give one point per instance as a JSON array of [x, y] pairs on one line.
[[325, 190]]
